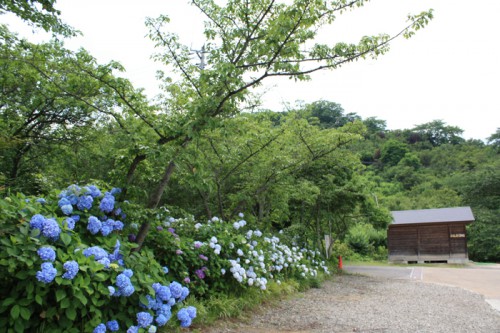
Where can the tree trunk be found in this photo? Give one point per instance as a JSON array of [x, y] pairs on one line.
[[153, 202], [130, 174]]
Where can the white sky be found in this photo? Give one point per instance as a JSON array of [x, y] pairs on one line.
[[448, 71]]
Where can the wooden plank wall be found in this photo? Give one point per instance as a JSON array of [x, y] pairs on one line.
[[443, 240]]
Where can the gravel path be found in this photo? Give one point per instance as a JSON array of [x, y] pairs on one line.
[[352, 303]]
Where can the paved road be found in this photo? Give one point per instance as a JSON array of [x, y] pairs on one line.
[[482, 279]]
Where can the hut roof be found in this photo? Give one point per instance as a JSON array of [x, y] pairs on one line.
[[437, 215]]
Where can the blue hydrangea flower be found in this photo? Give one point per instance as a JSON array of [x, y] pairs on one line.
[[95, 251], [128, 273], [67, 209], [41, 201], [122, 280], [71, 269], [85, 202], [75, 217], [63, 202], [128, 290], [184, 293], [191, 310], [37, 221], [101, 328], [118, 225], [93, 191], [161, 320], [112, 325], [152, 329], [51, 229], [111, 290], [133, 329], [94, 225], [73, 199], [165, 269], [116, 191], [105, 262], [184, 317], [163, 293], [69, 223], [107, 203], [47, 274], [176, 289], [47, 253], [106, 229], [144, 319]]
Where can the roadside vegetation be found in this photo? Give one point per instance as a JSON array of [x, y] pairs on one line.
[[124, 214]]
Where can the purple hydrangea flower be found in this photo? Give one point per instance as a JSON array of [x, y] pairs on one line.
[[47, 274], [144, 319], [94, 225], [187, 279], [200, 273], [131, 238], [51, 229], [47, 253], [203, 257], [85, 202]]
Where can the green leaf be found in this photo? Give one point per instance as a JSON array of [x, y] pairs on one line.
[[65, 238], [60, 294], [71, 313], [35, 233], [65, 303], [19, 326], [79, 295], [25, 313], [8, 301], [14, 312], [38, 299]]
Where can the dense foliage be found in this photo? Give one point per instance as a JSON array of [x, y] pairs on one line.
[[214, 201]]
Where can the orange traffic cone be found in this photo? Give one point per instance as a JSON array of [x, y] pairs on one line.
[[340, 262]]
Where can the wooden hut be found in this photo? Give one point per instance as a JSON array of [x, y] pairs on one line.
[[429, 235]]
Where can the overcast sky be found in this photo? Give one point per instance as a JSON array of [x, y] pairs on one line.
[[448, 71]]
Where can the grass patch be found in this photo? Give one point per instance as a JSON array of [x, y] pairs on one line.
[[220, 309]]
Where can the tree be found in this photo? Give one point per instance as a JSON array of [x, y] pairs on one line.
[[247, 43], [40, 13], [329, 114], [438, 133], [52, 97]]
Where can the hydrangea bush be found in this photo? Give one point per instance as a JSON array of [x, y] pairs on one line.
[[218, 256], [67, 266]]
